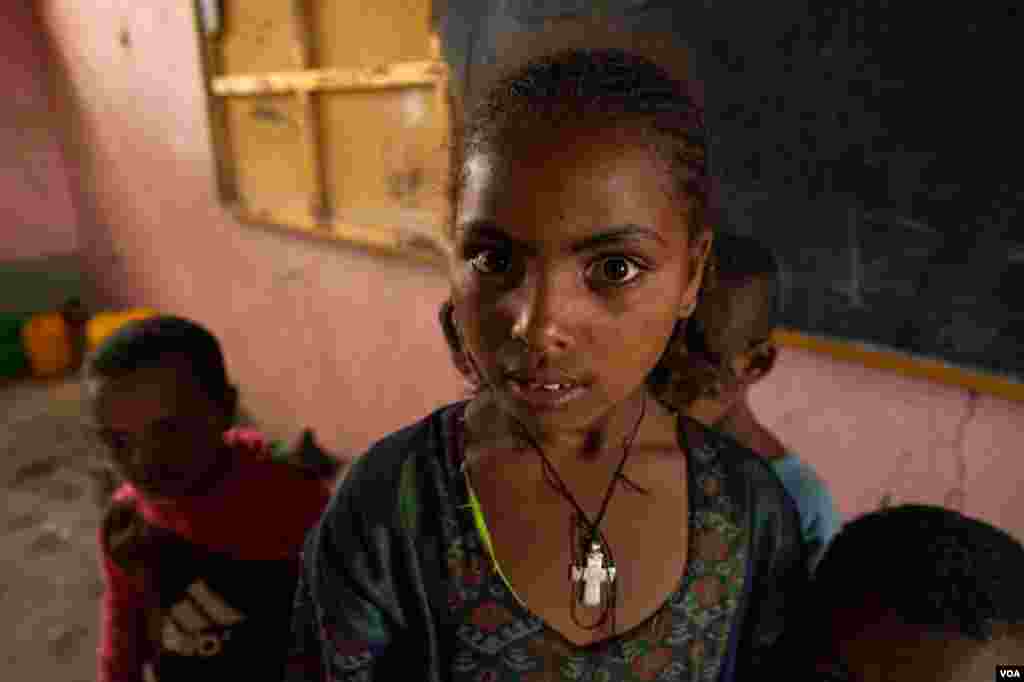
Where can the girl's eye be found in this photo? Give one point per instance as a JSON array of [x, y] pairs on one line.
[[615, 270], [491, 262]]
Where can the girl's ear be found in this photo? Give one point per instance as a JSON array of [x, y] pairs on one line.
[[446, 316], [700, 259], [454, 340]]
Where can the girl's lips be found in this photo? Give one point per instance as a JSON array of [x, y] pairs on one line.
[[544, 395]]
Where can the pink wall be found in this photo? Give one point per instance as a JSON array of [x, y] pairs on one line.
[[315, 333], [872, 434], [37, 218], [328, 336]]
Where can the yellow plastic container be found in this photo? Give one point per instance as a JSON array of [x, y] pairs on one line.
[[103, 325], [47, 343]]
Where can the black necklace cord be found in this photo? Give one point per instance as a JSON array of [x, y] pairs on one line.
[[592, 530]]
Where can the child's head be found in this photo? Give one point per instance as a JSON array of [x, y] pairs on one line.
[[920, 593], [162, 401], [728, 339], [579, 161]]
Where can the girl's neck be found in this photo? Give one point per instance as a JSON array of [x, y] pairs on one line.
[[598, 446], [741, 424]]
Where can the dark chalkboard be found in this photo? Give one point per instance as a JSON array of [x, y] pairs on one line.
[[872, 144], [881, 279]]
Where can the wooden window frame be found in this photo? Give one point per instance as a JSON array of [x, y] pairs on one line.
[[422, 243]]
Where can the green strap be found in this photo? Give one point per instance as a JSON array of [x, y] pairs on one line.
[[278, 450], [485, 535]]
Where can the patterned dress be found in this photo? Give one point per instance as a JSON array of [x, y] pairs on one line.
[[398, 583]]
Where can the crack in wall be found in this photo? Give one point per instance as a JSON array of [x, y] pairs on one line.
[[956, 498]]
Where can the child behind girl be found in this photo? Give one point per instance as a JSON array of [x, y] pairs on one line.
[[729, 350], [199, 547], [918, 592]]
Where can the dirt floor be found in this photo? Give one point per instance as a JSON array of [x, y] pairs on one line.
[[49, 578]]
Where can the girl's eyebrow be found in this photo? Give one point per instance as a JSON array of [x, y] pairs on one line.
[[618, 234], [488, 229]]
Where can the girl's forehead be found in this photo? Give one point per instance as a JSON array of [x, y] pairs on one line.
[[569, 149], [547, 191]]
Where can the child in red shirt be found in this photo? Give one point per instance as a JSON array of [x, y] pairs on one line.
[[200, 546]]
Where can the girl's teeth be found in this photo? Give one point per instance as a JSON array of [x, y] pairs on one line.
[[548, 387], [552, 387]]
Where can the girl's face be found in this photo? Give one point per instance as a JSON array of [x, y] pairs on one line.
[[165, 435], [573, 262]]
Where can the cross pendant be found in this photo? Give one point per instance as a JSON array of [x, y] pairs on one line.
[[594, 574]]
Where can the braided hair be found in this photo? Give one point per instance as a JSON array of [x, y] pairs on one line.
[[611, 88]]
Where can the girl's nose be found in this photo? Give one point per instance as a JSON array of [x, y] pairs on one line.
[[543, 318]]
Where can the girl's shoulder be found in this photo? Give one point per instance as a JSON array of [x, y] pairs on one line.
[[707, 445], [379, 481], [734, 483], [714, 451]]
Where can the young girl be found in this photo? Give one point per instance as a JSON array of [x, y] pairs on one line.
[[562, 524], [200, 546], [939, 599], [729, 350]]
